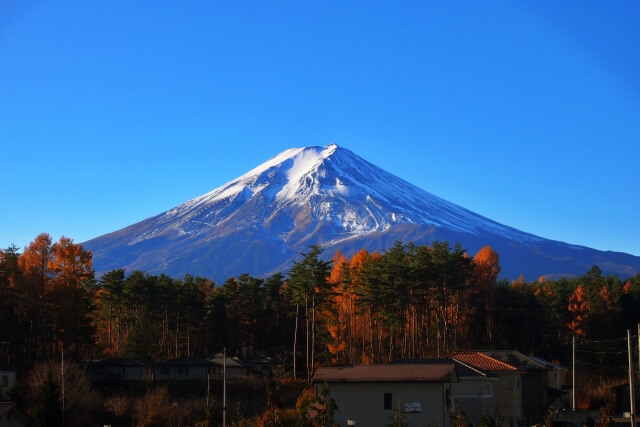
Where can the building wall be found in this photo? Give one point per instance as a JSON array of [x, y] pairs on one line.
[[7, 379], [116, 373], [508, 394], [534, 396], [365, 403], [181, 373], [476, 397]]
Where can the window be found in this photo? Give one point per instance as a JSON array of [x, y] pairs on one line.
[[164, 371], [388, 401], [5, 381]]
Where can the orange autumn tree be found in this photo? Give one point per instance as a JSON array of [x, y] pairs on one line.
[[579, 310], [480, 297], [70, 294], [36, 279], [337, 313], [345, 321]]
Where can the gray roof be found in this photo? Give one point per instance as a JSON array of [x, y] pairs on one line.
[[231, 362], [515, 358]]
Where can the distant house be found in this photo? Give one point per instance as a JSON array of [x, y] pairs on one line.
[[474, 391], [367, 394], [184, 369], [7, 379], [265, 365], [236, 369], [120, 370], [556, 379], [12, 416]]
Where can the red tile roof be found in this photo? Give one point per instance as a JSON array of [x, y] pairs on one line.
[[482, 361], [388, 373]]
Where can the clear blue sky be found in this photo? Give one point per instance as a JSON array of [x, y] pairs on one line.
[[525, 112]]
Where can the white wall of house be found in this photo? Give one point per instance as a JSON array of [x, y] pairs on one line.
[[365, 403]]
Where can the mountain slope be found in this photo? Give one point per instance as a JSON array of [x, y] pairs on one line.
[[261, 221]]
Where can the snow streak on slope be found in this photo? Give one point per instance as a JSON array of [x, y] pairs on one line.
[[319, 185]]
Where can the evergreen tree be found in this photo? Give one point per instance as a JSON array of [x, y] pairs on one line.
[[307, 286]]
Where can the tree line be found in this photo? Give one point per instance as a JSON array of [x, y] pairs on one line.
[[409, 301]]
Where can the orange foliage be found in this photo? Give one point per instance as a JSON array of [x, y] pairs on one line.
[[70, 263], [606, 297], [580, 309], [487, 263], [34, 263]]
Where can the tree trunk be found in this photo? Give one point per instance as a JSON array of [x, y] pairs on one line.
[[295, 342]]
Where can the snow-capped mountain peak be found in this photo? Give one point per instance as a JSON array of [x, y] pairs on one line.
[[261, 221], [337, 186]]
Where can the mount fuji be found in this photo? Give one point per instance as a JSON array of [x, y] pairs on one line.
[[260, 222]]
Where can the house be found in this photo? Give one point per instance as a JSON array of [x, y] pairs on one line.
[[474, 391], [8, 375], [12, 416], [556, 379], [184, 369], [507, 390], [534, 383], [236, 369], [120, 370], [367, 394], [521, 389], [265, 365]]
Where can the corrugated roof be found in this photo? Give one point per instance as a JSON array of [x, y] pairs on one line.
[[462, 369], [388, 373], [482, 361]]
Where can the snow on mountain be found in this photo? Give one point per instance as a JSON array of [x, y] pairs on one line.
[[340, 187], [259, 222]]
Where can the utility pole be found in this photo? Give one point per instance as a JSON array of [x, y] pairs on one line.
[[224, 388], [631, 386], [573, 374], [62, 374]]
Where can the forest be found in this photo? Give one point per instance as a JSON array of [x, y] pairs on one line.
[[409, 301]]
